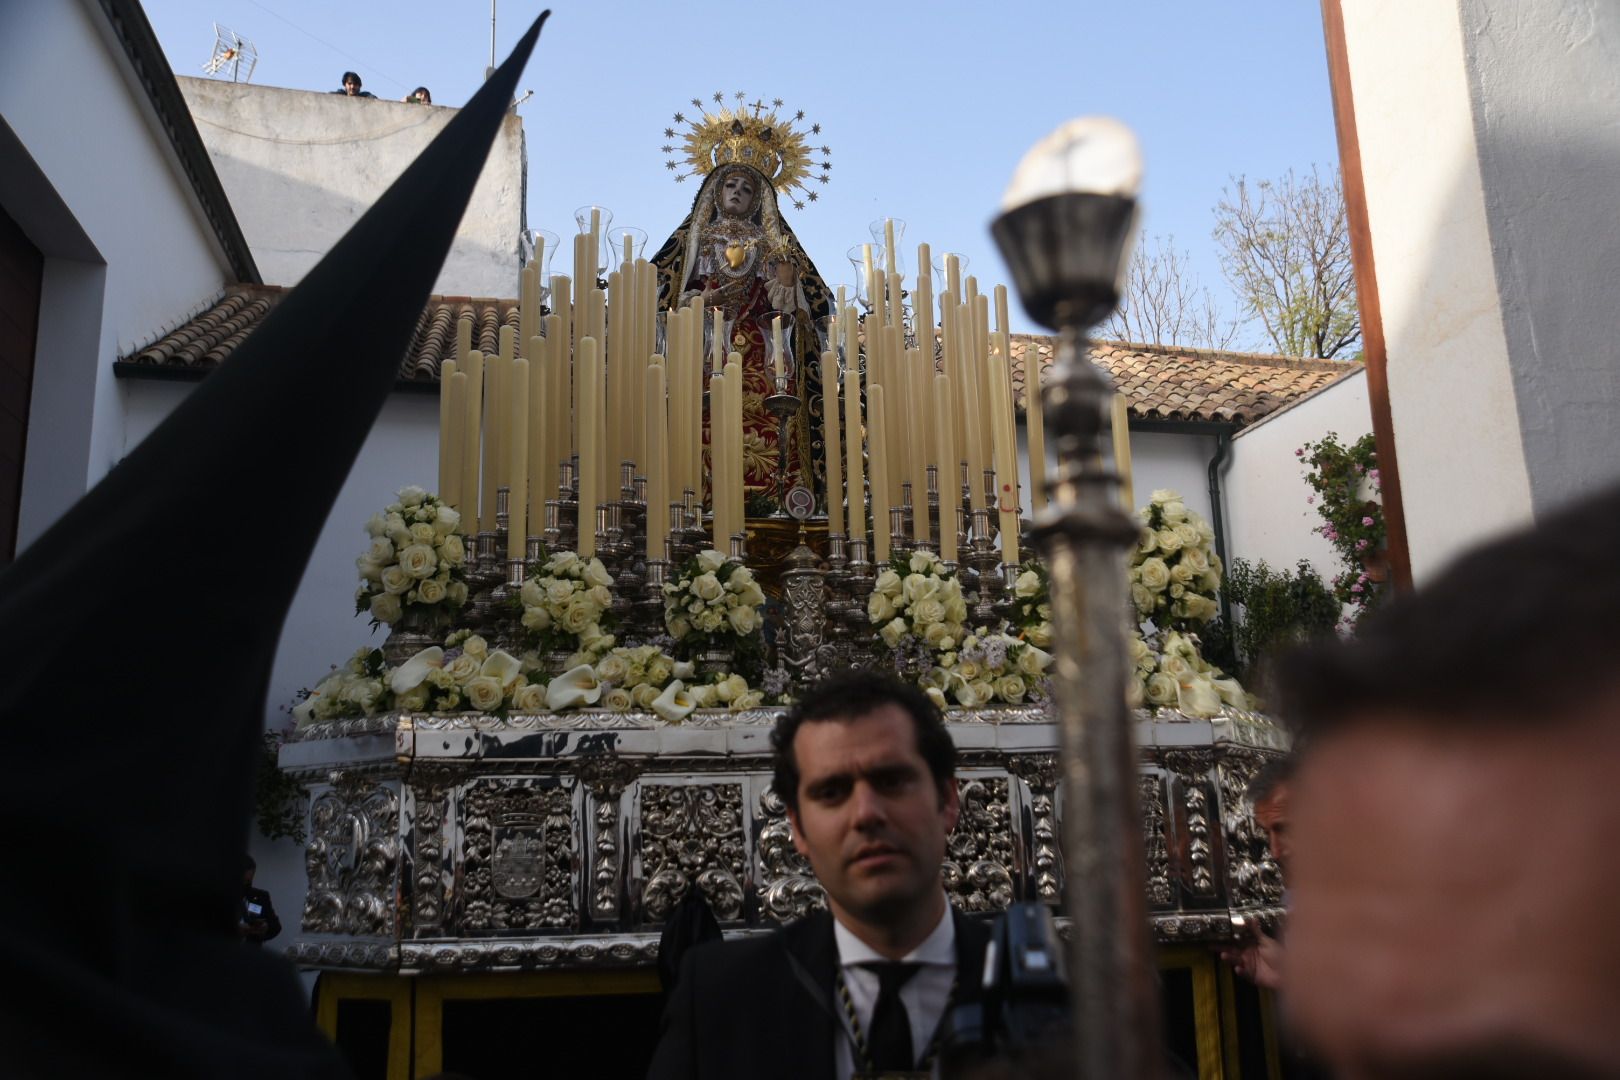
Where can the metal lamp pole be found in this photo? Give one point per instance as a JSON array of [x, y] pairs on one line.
[[1065, 233]]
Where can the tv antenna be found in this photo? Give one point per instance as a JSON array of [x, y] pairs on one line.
[[232, 52]]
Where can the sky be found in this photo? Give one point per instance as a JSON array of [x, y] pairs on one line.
[[927, 108]]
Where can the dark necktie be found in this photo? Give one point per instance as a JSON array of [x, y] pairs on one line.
[[890, 1038]]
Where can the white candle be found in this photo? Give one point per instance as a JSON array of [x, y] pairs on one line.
[[776, 347], [518, 459], [657, 461], [447, 431], [589, 385], [829, 437], [852, 449]]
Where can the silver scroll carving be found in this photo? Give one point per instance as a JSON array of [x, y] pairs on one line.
[[1192, 770], [692, 833], [979, 851], [1253, 877], [1157, 848], [606, 777], [517, 856], [788, 887], [431, 878], [351, 858], [1040, 772]]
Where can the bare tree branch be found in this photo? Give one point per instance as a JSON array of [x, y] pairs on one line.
[[1285, 248], [1164, 304]]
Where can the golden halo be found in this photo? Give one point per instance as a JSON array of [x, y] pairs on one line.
[[753, 134]]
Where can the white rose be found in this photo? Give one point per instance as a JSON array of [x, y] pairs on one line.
[[740, 579], [1175, 666], [1137, 649], [927, 611], [457, 592], [644, 695], [1194, 559], [659, 669], [452, 550], [1161, 689], [618, 699], [381, 551], [599, 596], [386, 608], [1155, 574], [707, 587], [411, 495], [395, 580], [968, 669], [752, 595], [1231, 692], [1164, 495], [888, 583], [708, 621], [1187, 534], [921, 562], [966, 695], [1027, 585], [956, 609], [918, 588], [743, 619], [463, 669], [937, 696], [423, 533], [432, 591], [559, 591], [984, 691], [892, 632], [474, 645], [484, 693], [1148, 543], [446, 520], [1010, 688], [1169, 541], [418, 561], [369, 569], [563, 564], [1143, 598], [1196, 697], [1181, 573], [529, 699], [413, 700], [937, 634], [596, 574], [684, 669], [376, 525], [396, 529], [578, 615], [703, 697], [710, 560], [1039, 635], [612, 669], [1174, 512], [751, 700], [678, 626], [1032, 661]]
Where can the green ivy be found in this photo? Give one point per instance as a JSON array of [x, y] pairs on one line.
[[278, 799], [1280, 608]]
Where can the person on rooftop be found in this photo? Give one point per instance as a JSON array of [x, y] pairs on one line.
[[351, 86], [419, 96]]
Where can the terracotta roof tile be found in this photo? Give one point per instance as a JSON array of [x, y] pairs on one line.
[[211, 337], [1166, 383], [1160, 382]]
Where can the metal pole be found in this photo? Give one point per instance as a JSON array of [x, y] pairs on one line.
[[491, 36], [1084, 535]]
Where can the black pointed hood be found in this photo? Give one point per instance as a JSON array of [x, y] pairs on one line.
[[138, 635]]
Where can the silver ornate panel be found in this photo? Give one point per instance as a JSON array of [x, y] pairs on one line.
[[352, 857]]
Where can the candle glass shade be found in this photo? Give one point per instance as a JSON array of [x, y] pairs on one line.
[[941, 280], [546, 243], [880, 243], [825, 330], [766, 321], [638, 244], [857, 258], [582, 217], [726, 326]]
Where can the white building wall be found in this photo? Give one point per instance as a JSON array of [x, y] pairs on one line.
[[1159, 459], [301, 167], [91, 177], [1267, 517]]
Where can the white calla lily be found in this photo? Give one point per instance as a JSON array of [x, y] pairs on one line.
[[575, 687], [503, 666], [414, 672], [674, 704]]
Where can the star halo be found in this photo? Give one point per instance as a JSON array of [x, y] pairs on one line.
[[753, 133]]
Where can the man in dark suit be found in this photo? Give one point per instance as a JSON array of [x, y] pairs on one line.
[[867, 771], [257, 921]]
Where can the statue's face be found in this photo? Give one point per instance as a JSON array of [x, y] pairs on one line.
[[737, 194]]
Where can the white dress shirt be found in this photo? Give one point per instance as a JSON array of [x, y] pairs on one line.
[[924, 995]]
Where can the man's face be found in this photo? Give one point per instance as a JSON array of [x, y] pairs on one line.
[[351, 87], [1451, 903], [1271, 814], [737, 194], [871, 819]]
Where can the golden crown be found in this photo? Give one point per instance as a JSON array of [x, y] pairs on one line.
[[754, 134]]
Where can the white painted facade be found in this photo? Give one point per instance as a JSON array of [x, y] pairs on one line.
[[301, 167], [104, 198], [1268, 518], [1488, 152]]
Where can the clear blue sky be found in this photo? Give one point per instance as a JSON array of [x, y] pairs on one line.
[[927, 107]]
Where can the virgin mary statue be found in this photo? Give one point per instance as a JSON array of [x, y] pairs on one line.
[[736, 253]]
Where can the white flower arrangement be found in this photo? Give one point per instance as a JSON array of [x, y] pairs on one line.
[[567, 606], [918, 597], [358, 688], [417, 562], [1174, 571], [713, 601], [1032, 605], [467, 675], [989, 667], [1176, 676]]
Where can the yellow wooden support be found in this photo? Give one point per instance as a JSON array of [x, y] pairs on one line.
[[396, 991], [1208, 1008]]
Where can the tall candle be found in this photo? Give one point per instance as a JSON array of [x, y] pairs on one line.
[[585, 278], [517, 502], [717, 341], [458, 442], [492, 442], [876, 446], [734, 443], [527, 305], [558, 405], [776, 347], [464, 329], [561, 290], [945, 451], [919, 393], [866, 265], [448, 432], [975, 418], [508, 354], [589, 386], [953, 277], [1007, 501], [888, 248], [829, 438], [539, 435], [717, 457], [1122, 451], [657, 414], [472, 441], [852, 448], [1034, 425]]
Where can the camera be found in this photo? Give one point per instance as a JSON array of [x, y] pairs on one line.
[[1025, 1005]]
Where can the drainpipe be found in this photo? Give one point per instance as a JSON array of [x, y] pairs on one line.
[[1223, 443]]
